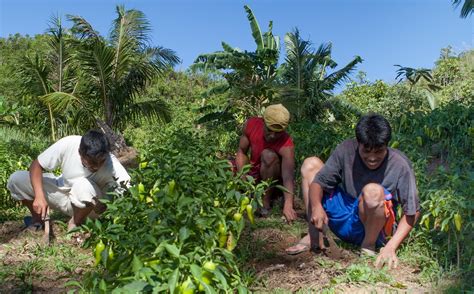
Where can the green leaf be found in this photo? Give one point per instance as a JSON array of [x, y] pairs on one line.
[[172, 249], [283, 188], [183, 234], [196, 271], [60, 101], [103, 285], [136, 264], [134, 287], [221, 278], [98, 224], [242, 290], [173, 280], [256, 32]]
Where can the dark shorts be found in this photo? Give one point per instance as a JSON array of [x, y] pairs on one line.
[[343, 214]]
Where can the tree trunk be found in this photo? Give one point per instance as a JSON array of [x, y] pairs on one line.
[[125, 154]]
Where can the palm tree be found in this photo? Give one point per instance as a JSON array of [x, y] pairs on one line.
[[53, 73], [118, 69], [308, 85], [250, 76], [467, 7]]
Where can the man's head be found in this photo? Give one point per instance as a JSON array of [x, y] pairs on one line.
[[94, 149], [276, 119], [373, 132]]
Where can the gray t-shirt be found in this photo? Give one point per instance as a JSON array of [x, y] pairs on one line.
[[346, 170]]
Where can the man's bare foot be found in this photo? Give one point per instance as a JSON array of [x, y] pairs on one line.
[[302, 246], [368, 250], [71, 224]]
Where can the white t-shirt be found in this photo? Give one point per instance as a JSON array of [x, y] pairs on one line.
[[64, 154]]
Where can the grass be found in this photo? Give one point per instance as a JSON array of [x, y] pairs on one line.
[[13, 213]]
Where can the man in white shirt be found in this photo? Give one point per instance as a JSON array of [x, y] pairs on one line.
[[88, 169]]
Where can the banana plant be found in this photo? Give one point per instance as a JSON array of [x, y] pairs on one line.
[[250, 75], [307, 83]]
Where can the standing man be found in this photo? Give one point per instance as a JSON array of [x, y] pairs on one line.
[[88, 172], [271, 154], [356, 191]]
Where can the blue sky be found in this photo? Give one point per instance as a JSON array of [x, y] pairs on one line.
[[382, 32]]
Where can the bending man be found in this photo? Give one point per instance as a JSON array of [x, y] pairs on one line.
[[271, 154], [88, 172]]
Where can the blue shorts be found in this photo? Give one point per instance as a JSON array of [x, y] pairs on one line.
[[343, 214]]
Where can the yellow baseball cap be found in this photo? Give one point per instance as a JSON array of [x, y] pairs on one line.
[[276, 117]]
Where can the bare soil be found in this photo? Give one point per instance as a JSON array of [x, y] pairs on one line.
[[27, 265], [312, 271]]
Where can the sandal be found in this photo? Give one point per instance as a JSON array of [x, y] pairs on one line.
[[367, 252], [29, 225], [305, 247]]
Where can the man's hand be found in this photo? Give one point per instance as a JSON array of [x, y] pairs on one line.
[[319, 218], [387, 256], [40, 206], [289, 213]]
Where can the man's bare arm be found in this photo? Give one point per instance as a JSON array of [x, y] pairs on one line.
[[288, 176], [36, 177], [242, 157], [388, 254], [318, 214]]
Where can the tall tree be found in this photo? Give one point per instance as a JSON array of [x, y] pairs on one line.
[[119, 68], [250, 76], [308, 85], [52, 72]]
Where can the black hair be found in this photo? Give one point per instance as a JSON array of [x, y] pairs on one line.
[[94, 144], [373, 131]]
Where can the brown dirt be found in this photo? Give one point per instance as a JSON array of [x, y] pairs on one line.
[[28, 265], [275, 270]]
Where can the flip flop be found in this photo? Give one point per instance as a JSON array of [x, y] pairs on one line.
[[28, 221], [305, 247], [367, 252]]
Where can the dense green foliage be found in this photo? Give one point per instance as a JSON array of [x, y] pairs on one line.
[[166, 228], [182, 211], [16, 153]]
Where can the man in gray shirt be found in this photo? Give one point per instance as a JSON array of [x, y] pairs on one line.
[[355, 192]]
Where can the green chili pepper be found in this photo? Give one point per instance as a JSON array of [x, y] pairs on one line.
[[249, 209], [111, 253], [231, 242], [237, 216], [245, 201], [98, 252]]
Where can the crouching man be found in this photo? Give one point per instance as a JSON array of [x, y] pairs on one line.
[[88, 169], [357, 190]]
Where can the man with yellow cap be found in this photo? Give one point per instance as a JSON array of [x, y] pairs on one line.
[[271, 154]]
